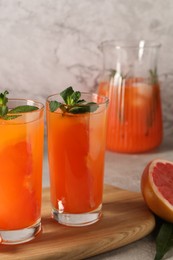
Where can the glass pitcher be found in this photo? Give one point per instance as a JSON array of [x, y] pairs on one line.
[[129, 78]]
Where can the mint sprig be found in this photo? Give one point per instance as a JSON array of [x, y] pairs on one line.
[[7, 114], [72, 103], [121, 75], [153, 76]]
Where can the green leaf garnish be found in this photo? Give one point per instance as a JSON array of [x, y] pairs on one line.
[[3, 98], [54, 105], [6, 114], [66, 94], [23, 109], [164, 240], [89, 107], [7, 117], [115, 72], [3, 102], [72, 103], [153, 76]]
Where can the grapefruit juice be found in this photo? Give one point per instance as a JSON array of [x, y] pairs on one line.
[[129, 78], [76, 146], [21, 148], [134, 115]]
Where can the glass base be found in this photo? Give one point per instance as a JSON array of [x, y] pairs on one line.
[[77, 220], [12, 237]]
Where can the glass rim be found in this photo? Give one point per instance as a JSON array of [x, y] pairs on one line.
[[106, 99], [39, 104], [133, 44]]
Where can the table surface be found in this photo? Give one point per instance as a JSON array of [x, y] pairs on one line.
[[124, 171]]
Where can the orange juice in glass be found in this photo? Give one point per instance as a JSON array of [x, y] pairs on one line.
[[21, 150], [76, 148], [134, 113]]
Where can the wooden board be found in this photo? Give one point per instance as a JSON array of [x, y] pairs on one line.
[[125, 220]]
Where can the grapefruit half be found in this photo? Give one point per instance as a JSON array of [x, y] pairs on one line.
[[157, 188]]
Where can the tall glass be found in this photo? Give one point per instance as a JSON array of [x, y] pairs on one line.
[[21, 151], [76, 149], [129, 79]]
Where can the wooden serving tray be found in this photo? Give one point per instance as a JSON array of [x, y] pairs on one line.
[[125, 219]]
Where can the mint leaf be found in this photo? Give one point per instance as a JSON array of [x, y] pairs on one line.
[[3, 110], [66, 94], [164, 240], [3, 102], [3, 98], [153, 76], [7, 117], [54, 105], [114, 72], [75, 97], [80, 101], [83, 109], [93, 106], [19, 109], [73, 103], [23, 109], [70, 96]]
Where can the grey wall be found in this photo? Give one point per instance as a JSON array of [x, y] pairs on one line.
[[46, 45]]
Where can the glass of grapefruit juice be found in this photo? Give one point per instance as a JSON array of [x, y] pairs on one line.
[[21, 150], [130, 80], [76, 148]]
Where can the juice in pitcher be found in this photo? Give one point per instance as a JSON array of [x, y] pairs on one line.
[[134, 115], [130, 81]]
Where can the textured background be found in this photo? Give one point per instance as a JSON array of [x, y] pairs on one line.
[[46, 45]]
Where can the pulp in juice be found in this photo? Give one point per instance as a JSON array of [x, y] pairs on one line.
[[134, 115], [76, 145], [21, 148]]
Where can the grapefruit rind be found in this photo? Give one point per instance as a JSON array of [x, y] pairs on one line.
[[152, 196]]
